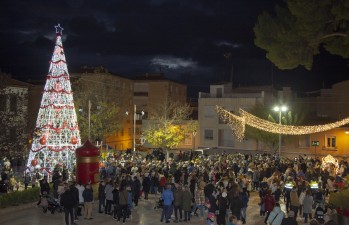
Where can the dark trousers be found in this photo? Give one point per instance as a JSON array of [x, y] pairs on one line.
[[266, 218], [166, 212], [67, 212], [117, 211], [146, 195], [305, 215], [187, 215], [295, 210], [76, 211], [135, 198], [101, 204], [178, 209], [221, 217], [123, 212], [108, 206]]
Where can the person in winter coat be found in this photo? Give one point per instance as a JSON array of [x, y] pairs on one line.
[[245, 199], [262, 194], [68, 201], [136, 190], [301, 199], [177, 203], [123, 201], [88, 199], [81, 189], [167, 197], [222, 208], [200, 199], [208, 189], [75, 192], [109, 197], [146, 185], [307, 206], [235, 203], [294, 201], [269, 202], [101, 196], [116, 203], [276, 216], [186, 202], [162, 183]]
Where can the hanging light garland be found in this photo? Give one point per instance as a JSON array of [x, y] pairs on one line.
[[237, 124]]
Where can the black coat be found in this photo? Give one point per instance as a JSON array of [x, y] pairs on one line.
[[68, 199], [146, 184], [101, 191], [116, 197]]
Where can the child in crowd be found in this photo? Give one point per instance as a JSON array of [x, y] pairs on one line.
[[232, 220]]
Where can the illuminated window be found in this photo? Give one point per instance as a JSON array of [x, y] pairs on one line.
[[330, 141]]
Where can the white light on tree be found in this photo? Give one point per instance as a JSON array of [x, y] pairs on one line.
[[56, 134]]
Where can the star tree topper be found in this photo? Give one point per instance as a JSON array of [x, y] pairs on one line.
[[59, 29]]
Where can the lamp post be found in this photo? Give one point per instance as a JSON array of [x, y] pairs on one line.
[[134, 125], [280, 109]]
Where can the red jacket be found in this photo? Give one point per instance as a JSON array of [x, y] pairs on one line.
[[269, 202]]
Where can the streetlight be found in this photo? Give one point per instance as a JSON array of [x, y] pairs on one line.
[[280, 109], [134, 125]]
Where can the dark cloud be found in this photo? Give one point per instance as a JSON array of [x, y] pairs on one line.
[[185, 39]]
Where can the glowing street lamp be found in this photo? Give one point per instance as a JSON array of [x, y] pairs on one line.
[[280, 109]]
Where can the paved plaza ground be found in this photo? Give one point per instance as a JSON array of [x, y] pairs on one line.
[[145, 214]]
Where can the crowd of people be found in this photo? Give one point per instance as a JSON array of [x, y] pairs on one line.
[[216, 188]]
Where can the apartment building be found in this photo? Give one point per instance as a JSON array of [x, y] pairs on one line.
[[110, 88], [214, 133]]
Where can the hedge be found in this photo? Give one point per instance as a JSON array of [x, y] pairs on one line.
[[19, 197]]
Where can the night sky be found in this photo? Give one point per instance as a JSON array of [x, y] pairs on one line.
[[185, 39]]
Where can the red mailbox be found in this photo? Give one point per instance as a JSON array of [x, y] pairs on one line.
[[87, 163]]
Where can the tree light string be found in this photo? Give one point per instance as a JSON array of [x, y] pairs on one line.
[[237, 124]]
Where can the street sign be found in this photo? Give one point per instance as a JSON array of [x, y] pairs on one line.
[[315, 143]]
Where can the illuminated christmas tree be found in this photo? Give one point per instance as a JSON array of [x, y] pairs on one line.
[[56, 134]]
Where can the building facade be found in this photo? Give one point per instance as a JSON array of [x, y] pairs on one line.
[[214, 133], [101, 85]]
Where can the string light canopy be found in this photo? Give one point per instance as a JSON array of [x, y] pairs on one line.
[[237, 124]]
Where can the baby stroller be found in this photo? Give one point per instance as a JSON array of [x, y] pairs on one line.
[[51, 204], [159, 204], [320, 213]]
